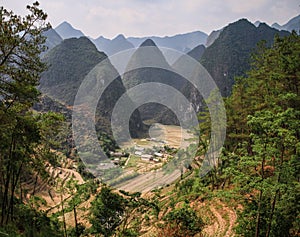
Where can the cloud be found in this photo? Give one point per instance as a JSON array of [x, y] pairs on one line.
[[248, 6]]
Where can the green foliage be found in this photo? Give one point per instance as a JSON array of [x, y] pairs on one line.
[[107, 143], [229, 56], [26, 138], [265, 140], [106, 212], [114, 214], [69, 63], [183, 222], [31, 223]]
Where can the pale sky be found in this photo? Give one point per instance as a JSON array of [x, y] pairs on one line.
[[157, 17]]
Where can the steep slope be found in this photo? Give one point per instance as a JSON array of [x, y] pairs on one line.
[[113, 46], [197, 52], [292, 24], [66, 31], [229, 55], [158, 70], [53, 38], [180, 42], [70, 62], [212, 37], [149, 57]]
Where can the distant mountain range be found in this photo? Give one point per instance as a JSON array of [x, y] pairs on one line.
[[66, 31], [226, 55], [113, 46], [293, 24], [180, 42]]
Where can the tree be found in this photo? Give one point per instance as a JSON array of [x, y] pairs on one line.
[[80, 193], [107, 211], [266, 140], [20, 67], [182, 222], [21, 131], [20, 64], [269, 175]]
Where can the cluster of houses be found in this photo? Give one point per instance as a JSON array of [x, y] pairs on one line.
[[117, 157], [148, 154], [154, 154]]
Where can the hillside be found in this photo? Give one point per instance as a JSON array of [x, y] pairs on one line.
[[53, 38], [197, 52], [159, 71], [229, 55], [70, 62], [212, 37]]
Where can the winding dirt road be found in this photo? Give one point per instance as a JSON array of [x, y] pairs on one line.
[[149, 181], [224, 222]]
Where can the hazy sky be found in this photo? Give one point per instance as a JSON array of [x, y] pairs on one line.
[[157, 17]]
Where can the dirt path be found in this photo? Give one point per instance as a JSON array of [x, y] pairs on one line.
[[148, 181], [224, 222]]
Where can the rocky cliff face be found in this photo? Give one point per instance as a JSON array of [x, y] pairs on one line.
[[229, 55], [69, 64], [158, 71]]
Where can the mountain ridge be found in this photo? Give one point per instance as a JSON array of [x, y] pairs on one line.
[[70, 62], [292, 24], [66, 31], [229, 55], [192, 39], [113, 46]]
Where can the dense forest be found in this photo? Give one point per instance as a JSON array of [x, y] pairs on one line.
[[253, 189]]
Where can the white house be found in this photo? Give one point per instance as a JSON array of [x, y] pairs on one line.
[[146, 157], [138, 153]]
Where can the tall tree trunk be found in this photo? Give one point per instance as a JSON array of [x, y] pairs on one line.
[[5, 194], [35, 183], [76, 222], [258, 217], [271, 215], [276, 193], [63, 212], [14, 183], [257, 227]]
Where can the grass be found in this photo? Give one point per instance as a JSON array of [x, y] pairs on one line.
[[124, 179], [133, 161]]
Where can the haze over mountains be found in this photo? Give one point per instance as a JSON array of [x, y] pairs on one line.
[[226, 56], [66, 31], [293, 24], [181, 42]]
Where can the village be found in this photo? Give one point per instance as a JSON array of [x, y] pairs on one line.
[[151, 154], [140, 156]]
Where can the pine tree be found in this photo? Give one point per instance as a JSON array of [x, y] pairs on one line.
[[267, 170]]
